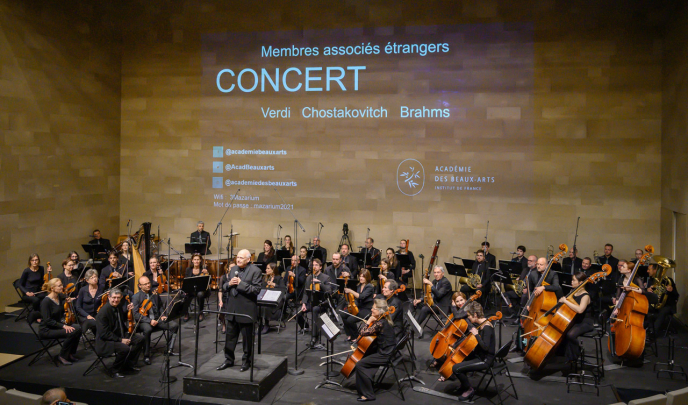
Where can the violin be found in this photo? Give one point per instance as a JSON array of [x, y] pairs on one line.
[[557, 327], [427, 288], [401, 289], [70, 316], [48, 274], [627, 331], [464, 347], [146, 306], [362, 343], [453, 331], [103, 300], [351, 301], [130, 318], [162, 283], [290, 285], [538, 306]]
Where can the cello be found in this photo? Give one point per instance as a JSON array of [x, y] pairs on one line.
[[464, 347], [627, 331], [537, 306], [363, 343], [427, 288], [557, 327], [453, 330]]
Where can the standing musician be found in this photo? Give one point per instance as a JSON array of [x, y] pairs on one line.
[[582, 322], [383, 328], [388, 291], [394, 265], [573, 263], [154, 319], [201, 236], [299, 273], [68, 277], [482, 356], [552, 279], [489, 257], [196, 269], [607, 258], [108, 271], [517, 301], [272, 279], [316, 281], [112, 335], [350, 261], [480, 267], [52, 327], [31, 282], [98, 240], [441, 295], [373, 252], [520, 257], [316, 246], [669, 307], [363, 295], [268, 254], [87, 301], [405, 273], [625, 269], [289, 245], [242, 292], [154, 273]]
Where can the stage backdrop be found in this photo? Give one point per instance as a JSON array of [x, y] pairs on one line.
[[460, 118]]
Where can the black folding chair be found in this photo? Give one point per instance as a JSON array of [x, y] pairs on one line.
[[27, 307], [46, 344], [393, 361], [499, 367]]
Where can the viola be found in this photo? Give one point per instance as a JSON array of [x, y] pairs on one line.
[[557, 327], [401, 289], [130, 318], [290, 285], [453, 330], [362, 343], [351, 301], [146, 306], [70, 316], [464, 347], [537, 306], [103, 300], [427, 288], [627, 331], [162, 283]]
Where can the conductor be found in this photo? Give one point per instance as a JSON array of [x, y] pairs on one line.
[[241, 289]]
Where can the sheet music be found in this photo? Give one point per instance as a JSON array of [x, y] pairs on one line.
[[413, 322], [272, 295], [329, 327]]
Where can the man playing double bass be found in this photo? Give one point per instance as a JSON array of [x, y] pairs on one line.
[[552, 279]]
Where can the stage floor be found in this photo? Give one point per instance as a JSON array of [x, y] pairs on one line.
[[144, 387]]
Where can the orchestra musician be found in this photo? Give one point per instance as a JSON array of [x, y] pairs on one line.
[[405, 273], [78, 267], [154, 273], [303, 253], [299, 273], [350, 261], [573, 263], [441, 296], [201, 236], [52, 326], [68, 277], [338, 269], [489, 257], [638, 256], [87, 301], [98, 240], [482, 356], [317, 277], [582, 322], [593, 288], [372, 252], [607, 258], [194, 270], [316, 246], [388, 289], [126, 262], [241, 291], [622, 285], [289, 245], [31, 282], [363, 295], [272, 279], [480, 267], [394, 264], [552, 279], [519, 302], [386, 272], [520, 257], [669, 307], [365, 369], [152, 321], [112, 335], [113, 267], [457, 310], [268, 254]]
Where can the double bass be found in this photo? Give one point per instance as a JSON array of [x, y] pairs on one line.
[[427, 288], [362, 343], [557, 327], [537, 307], [627, 331], [453, 330], [464, 347]]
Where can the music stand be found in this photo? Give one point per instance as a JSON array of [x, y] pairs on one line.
[[468, 263], [404, 263], [93, 250], [194, 247], [359, 258], [192, 286], [457, 271], [565, 282], [332, 331], [268, 298], [316, 298], [344, 283], [316, 254], [117, 282], [303, 263], [282, 255], [375, 276], [174, 314]]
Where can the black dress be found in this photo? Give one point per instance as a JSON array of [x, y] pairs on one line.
[[581, 323], [52, 327], [364, 302], [367, 367]]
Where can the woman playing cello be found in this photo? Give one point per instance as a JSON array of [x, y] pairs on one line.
[[383, 328], [458, 301]]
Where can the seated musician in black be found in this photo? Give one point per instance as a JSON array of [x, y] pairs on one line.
[[458, 312], [572, 264], [517, 301], [317, 281], [406, 274], [371, 253], [388, 291], [386, 273], [88, 301], [155, 318], [31, 282], [68, 277], [78, 267], [52, 326], [268, 254], [201, 236], [126, 263], [480, 267], [669, 308], [624, 284], [111, 271], [489, 257], [441, 295], [363, 295], [482, 356], [394, 265], [154, 273], [299, 273], [552, 279], [383, 328], [98, 240], [112, 335], [194, 270], [272, 279], [338, 269], [582, 322], [350, 261], [521, 257]]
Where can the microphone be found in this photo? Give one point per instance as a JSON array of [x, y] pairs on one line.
[[128, 222], [280, 226], [513, 253], [456, 257], [398, 247], [421, 256], [321, 225]]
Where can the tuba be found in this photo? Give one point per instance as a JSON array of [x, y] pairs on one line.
[[661, 280]]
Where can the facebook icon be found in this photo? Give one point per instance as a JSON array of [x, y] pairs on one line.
[[217, 151], [217, 167], [217, 182]]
